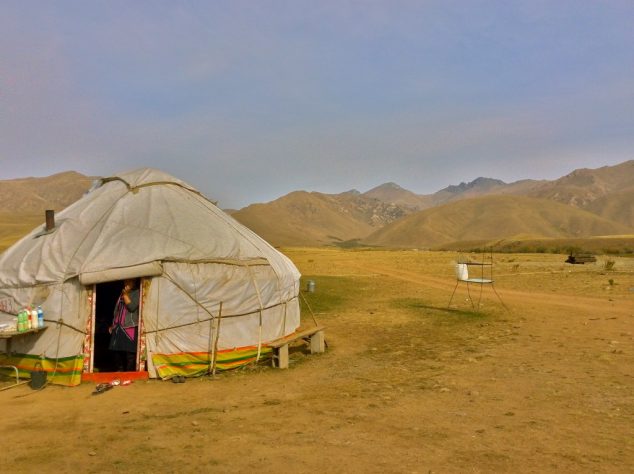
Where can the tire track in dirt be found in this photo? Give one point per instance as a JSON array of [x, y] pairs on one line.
[[514, 297]]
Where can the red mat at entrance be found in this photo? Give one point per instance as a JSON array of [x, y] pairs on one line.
[[107, 377]]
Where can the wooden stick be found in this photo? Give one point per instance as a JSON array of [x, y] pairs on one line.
[[210, 346], [14, 385], [213, 369]]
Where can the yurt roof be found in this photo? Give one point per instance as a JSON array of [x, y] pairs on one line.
[[131, 219]]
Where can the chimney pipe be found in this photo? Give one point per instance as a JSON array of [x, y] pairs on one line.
[[50, 220]]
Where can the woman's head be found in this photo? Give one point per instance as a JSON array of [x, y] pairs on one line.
[[129, 284]]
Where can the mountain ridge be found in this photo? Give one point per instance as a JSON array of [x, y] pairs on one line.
[[493, 217], [608, 206], [314, 218]]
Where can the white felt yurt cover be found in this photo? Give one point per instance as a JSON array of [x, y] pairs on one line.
[[213, 291]]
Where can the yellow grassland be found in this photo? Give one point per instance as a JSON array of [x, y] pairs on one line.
[[407, 384], [14, 226]]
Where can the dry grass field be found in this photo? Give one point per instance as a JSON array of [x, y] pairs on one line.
[[609, 245], [13, 226], [407, 384]]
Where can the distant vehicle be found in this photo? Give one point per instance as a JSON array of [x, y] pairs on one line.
[[581, 258]]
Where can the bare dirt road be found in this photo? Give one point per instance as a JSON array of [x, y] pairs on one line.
[[407, 385]]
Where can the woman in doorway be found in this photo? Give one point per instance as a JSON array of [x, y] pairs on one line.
[[124, 328]]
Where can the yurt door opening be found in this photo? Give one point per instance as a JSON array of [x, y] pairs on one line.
[[116, 326]]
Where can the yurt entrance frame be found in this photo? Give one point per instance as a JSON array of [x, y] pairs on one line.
[[93, 313]]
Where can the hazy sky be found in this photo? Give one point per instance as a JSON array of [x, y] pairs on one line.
[[248, 100]]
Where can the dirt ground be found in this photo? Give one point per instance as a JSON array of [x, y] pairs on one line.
[[407, 385]]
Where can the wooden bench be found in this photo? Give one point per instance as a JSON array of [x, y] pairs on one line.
[[314, 335]]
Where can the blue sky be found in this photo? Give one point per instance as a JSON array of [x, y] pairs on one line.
[[249, 100]]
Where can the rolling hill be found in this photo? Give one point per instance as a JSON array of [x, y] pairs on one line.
[[618, 207], [584, 186], [35, 195], [493, 217], [587, 202], [393, 193], [303, 218]]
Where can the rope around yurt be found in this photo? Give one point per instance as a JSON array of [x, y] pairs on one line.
[[309, 309]]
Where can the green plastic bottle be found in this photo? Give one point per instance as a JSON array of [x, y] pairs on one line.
[[21, 321]]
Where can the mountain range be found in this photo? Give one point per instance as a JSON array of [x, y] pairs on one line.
[[584, 203]]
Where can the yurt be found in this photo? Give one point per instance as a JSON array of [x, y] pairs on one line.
[[212, 293]]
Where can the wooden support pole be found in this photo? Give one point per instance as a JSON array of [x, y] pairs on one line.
[[213, 367], [282, 357], [317, 343]]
